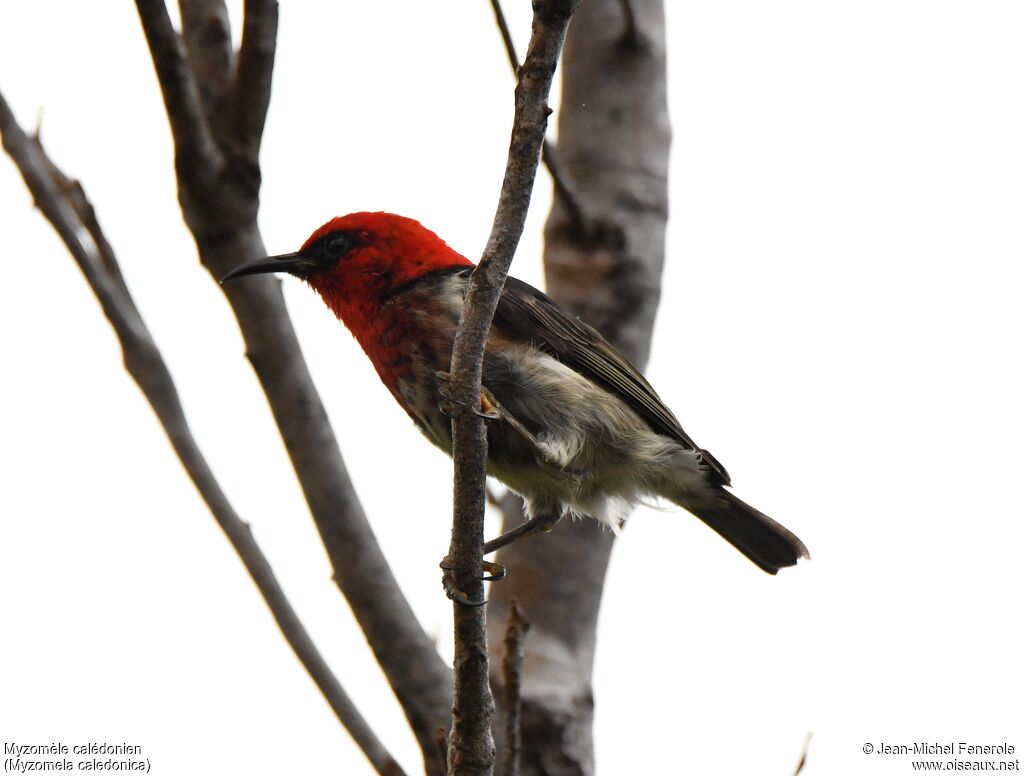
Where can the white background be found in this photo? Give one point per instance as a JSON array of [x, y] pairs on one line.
[[841, 326]]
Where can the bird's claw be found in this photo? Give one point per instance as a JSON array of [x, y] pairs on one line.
[[487, 411], [495, 573], [445, 406], [451, 589]]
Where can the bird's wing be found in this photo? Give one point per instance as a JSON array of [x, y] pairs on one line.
[[528, 314]]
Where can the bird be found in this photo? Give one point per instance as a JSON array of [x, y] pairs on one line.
[[574, 428]]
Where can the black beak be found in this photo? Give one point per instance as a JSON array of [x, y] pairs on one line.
[[293, 263]]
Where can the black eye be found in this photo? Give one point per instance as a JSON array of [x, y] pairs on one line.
[[339, 245]]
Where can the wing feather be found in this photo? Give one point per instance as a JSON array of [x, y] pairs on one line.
[[529, 314]]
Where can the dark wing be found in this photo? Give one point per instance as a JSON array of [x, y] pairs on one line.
[[528, 314]]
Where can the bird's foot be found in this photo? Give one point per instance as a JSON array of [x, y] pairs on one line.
[[540, 524], [488, 410], [494, 573]]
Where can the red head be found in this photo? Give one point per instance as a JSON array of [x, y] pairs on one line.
[[356, 261]]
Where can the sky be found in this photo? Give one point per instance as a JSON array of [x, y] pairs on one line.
[[840, 325]]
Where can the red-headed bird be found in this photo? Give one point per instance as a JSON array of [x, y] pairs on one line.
[[577, 430]]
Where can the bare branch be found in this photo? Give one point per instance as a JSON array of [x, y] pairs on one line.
[[219, 203], [566, 189], [512, 667], [472, 749], [418, 676], [803, 755], [207, 35], [192, 137], [250, 96], [506, 36], [564, 186], [611, 280], [65, 206]]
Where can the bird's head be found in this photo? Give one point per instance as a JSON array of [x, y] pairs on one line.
[[355, 262]]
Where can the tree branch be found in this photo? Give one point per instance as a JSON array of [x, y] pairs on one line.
[[512, 667], [803, 755], [250, 97], [219, 205], [207, 35], [472, 750], [616, 149], [192, 136], [64, 204], [506, 36], [565, 188]]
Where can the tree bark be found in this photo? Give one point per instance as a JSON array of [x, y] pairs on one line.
[[613, 140]]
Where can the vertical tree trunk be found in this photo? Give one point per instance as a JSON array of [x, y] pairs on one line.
[[613, 139]]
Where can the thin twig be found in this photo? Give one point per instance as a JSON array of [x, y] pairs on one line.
[[803, 755], [506, 36], [472, 749], [85, 212], [64, 205], [512, 667], [565, 188]]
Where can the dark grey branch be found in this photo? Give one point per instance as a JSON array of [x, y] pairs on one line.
[[506, 36], [471, 750], [564, 186], [206, 31], [65, 206], [219, 205], [253, 73], [613, 135], [565, 189], [512, 668], [803, 755], [192, 136]]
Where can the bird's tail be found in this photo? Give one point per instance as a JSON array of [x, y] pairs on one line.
[[768, 544]]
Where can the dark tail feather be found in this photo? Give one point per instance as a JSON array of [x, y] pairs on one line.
[[769, 545]]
